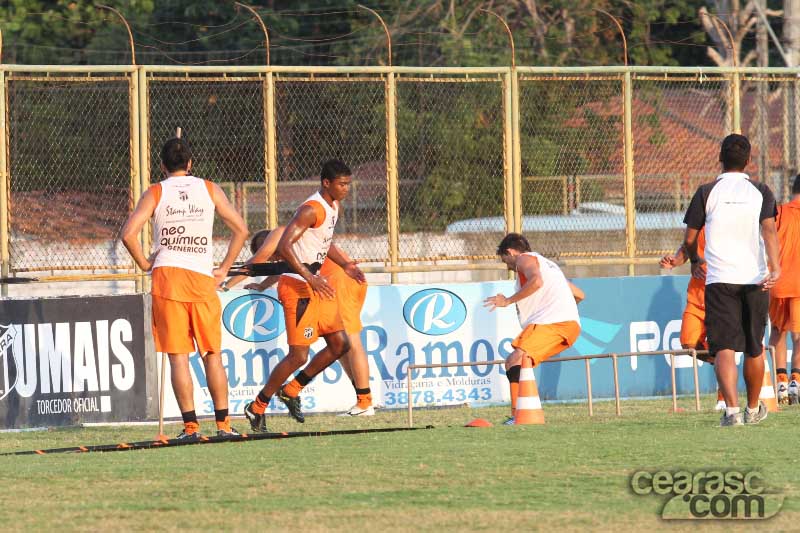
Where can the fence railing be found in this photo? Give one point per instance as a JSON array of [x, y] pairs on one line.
[[594, 164]]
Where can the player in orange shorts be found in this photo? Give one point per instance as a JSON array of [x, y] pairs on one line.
[[546, 306], [351, 291], [309, 301], [186, 309], [784, 303], [693, 322]]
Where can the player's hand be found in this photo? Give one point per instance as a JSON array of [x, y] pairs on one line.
[[354, 272], [254, 287], [321, 286], [150, 260], [668, 262], [219, 275], [771, 279], [698, 270], [493, 302]]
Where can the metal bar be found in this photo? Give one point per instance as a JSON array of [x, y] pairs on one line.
[[271, 151], [70, 68], [674, 388], [774, 370], [696, 381], [589, 386], [392, 180], [736, 97], [70, 79], [410, 403], [630, 191], [144, 157], [5, 180], [777, 42], [508, 153], [135, 154], [516, 151], [616, 384]]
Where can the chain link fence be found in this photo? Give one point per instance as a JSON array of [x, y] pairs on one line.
[[479, 152]]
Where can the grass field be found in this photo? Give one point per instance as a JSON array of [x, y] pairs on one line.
[[571, 474]]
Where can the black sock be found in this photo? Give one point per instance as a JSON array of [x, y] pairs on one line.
[[262, 398], [781, 370], [189, 416], [795, 370], [220, 415], [363, 391], [513, 374], [302, 378]]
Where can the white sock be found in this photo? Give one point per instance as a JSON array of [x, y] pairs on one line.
[[731, 411], [753, 410]]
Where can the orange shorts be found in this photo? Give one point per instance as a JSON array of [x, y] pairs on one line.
[[542, 341], [177, 326], [307, 315], [693, 327], [351, 295], [785, 313]]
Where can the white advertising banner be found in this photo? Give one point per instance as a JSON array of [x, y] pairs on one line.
[[403, 324]]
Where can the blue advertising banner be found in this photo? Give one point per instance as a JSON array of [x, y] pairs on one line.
[[424, 324]]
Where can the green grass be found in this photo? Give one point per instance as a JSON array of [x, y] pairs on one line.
[[570, 474]]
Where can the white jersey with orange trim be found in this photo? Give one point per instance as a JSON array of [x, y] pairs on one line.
[[314, 243], [553, 302], [183, 224]]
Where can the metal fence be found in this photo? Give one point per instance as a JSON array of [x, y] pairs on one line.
[[596, 165]]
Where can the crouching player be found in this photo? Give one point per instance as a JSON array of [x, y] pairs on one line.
[[546, 306]]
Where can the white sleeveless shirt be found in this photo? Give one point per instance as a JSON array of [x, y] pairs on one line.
[[183, 224], [553, 302], [314, 243]]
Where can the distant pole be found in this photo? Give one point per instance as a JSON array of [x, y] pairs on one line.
[[385, 30], [621, 32], [791, 36], [127, 26], [260, 23], [510, 36], [762, 91]]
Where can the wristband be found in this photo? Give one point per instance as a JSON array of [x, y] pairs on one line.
[[694, 261]]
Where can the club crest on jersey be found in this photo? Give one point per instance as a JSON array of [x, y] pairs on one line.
[[183, 195], [308, 332], [8, 360]]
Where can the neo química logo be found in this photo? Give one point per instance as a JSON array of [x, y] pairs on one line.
[[435, 311], [254, 318]]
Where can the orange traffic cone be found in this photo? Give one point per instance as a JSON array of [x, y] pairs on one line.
[[767, 394], [529, 407]]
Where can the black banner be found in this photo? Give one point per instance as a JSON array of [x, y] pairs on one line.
[[65, 361]]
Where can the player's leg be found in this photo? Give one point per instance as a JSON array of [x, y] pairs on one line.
[[693, 337], [725, 337], [755, 310], [182, 386], [356, 359], [777, 339], [794, 384]]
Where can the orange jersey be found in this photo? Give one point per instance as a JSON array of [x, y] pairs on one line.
[[788, 224], [696, 292]]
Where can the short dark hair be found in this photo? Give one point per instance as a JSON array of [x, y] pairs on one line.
[[258, 239], [796, 185], [334, 169], [176, 154], [735, 152], [513, 241]]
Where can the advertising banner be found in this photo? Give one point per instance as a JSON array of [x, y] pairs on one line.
[[65, 361], [423, 324]]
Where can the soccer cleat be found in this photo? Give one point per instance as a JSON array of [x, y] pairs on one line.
[[783, 393], [359, 411], [509, 421], [229, 434], [189, 437], [258, 422], [293, 405], [754, 417], [793, 393], [731, 420]]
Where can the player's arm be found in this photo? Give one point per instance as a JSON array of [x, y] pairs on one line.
[[770, 235], [304, 218], [340, 257], [262, 255], [133, 227], [690, 246], [528, 266], [235, 223], [577, 293], [674, 260]]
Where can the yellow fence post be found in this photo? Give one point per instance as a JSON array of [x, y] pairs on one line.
[[392, 200], [270, 151], [4, 182], [737, 108], [516, 150], [144, 160], [630, 191], [136, 157], [508, 153]]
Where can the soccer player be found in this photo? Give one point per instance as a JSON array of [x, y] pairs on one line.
[[693, 327], [351, 291], [546, 306], [308, 299], [186, 309], [784, 305], [738, 215]]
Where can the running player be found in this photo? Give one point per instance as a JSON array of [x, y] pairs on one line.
[[546, 307], [784, 305], [186, 309], [693, 325], [351, 291], [309, 301]]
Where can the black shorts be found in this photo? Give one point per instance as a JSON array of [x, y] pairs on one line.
[[736, 318]]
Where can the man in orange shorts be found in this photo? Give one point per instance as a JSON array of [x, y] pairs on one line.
[[351, 291], [186, 309], [546, 307], [693, 322], [784, 304], [309, 301]]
